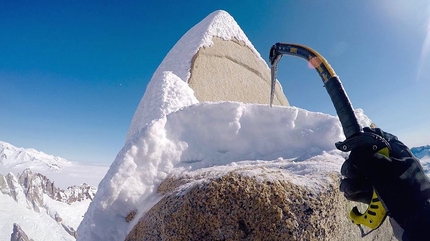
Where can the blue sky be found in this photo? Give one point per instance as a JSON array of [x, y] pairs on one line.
[[73, 72]]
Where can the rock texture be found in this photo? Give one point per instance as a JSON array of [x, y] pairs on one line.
[[230, 71], [70, 230], [18, 234], [242, 207]]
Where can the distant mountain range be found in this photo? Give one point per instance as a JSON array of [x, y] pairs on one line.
[[44, 192], [63, 172], [28, 158], [421, 151], [12, 156], [33, 191]]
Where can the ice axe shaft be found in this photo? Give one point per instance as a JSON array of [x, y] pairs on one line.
[[375, 214], [331, 82]]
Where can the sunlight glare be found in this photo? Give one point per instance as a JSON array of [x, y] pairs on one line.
[[423, 64]]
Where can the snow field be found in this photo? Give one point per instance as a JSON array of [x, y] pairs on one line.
[[38, 226]]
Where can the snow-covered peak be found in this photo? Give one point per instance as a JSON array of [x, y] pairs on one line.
[[54, 201], [174, 70], [65, 173], [421, 151], [217, 24], [35, 203], [221, 24], [172, 133], [12, 156]]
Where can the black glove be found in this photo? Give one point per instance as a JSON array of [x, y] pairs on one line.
[[399, 181]]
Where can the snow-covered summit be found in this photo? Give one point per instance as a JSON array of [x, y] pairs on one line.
[[174, 71], [63, 172], [217, 24], [172, 134], [12, 156]]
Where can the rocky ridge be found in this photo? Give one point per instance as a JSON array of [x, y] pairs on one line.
[[29, 189], [18, 234]]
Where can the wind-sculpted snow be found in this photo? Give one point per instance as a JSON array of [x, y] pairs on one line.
[[199, 136], [165, 94]]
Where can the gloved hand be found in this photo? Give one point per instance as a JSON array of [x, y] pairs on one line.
[[399, 181]]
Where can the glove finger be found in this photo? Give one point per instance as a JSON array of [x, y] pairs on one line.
[[366, 161], [349, 170], [360, 153], [378, 131], [398, 149], [356, 189], [355, 185]]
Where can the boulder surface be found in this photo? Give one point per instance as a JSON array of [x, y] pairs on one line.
[[242, 207]]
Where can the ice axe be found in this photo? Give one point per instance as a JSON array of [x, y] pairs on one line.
[[376, 213]]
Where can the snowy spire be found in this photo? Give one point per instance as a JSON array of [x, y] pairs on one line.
[[168, 90], [217, 24]]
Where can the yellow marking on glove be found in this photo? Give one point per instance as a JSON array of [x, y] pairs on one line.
[[375, 214]]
